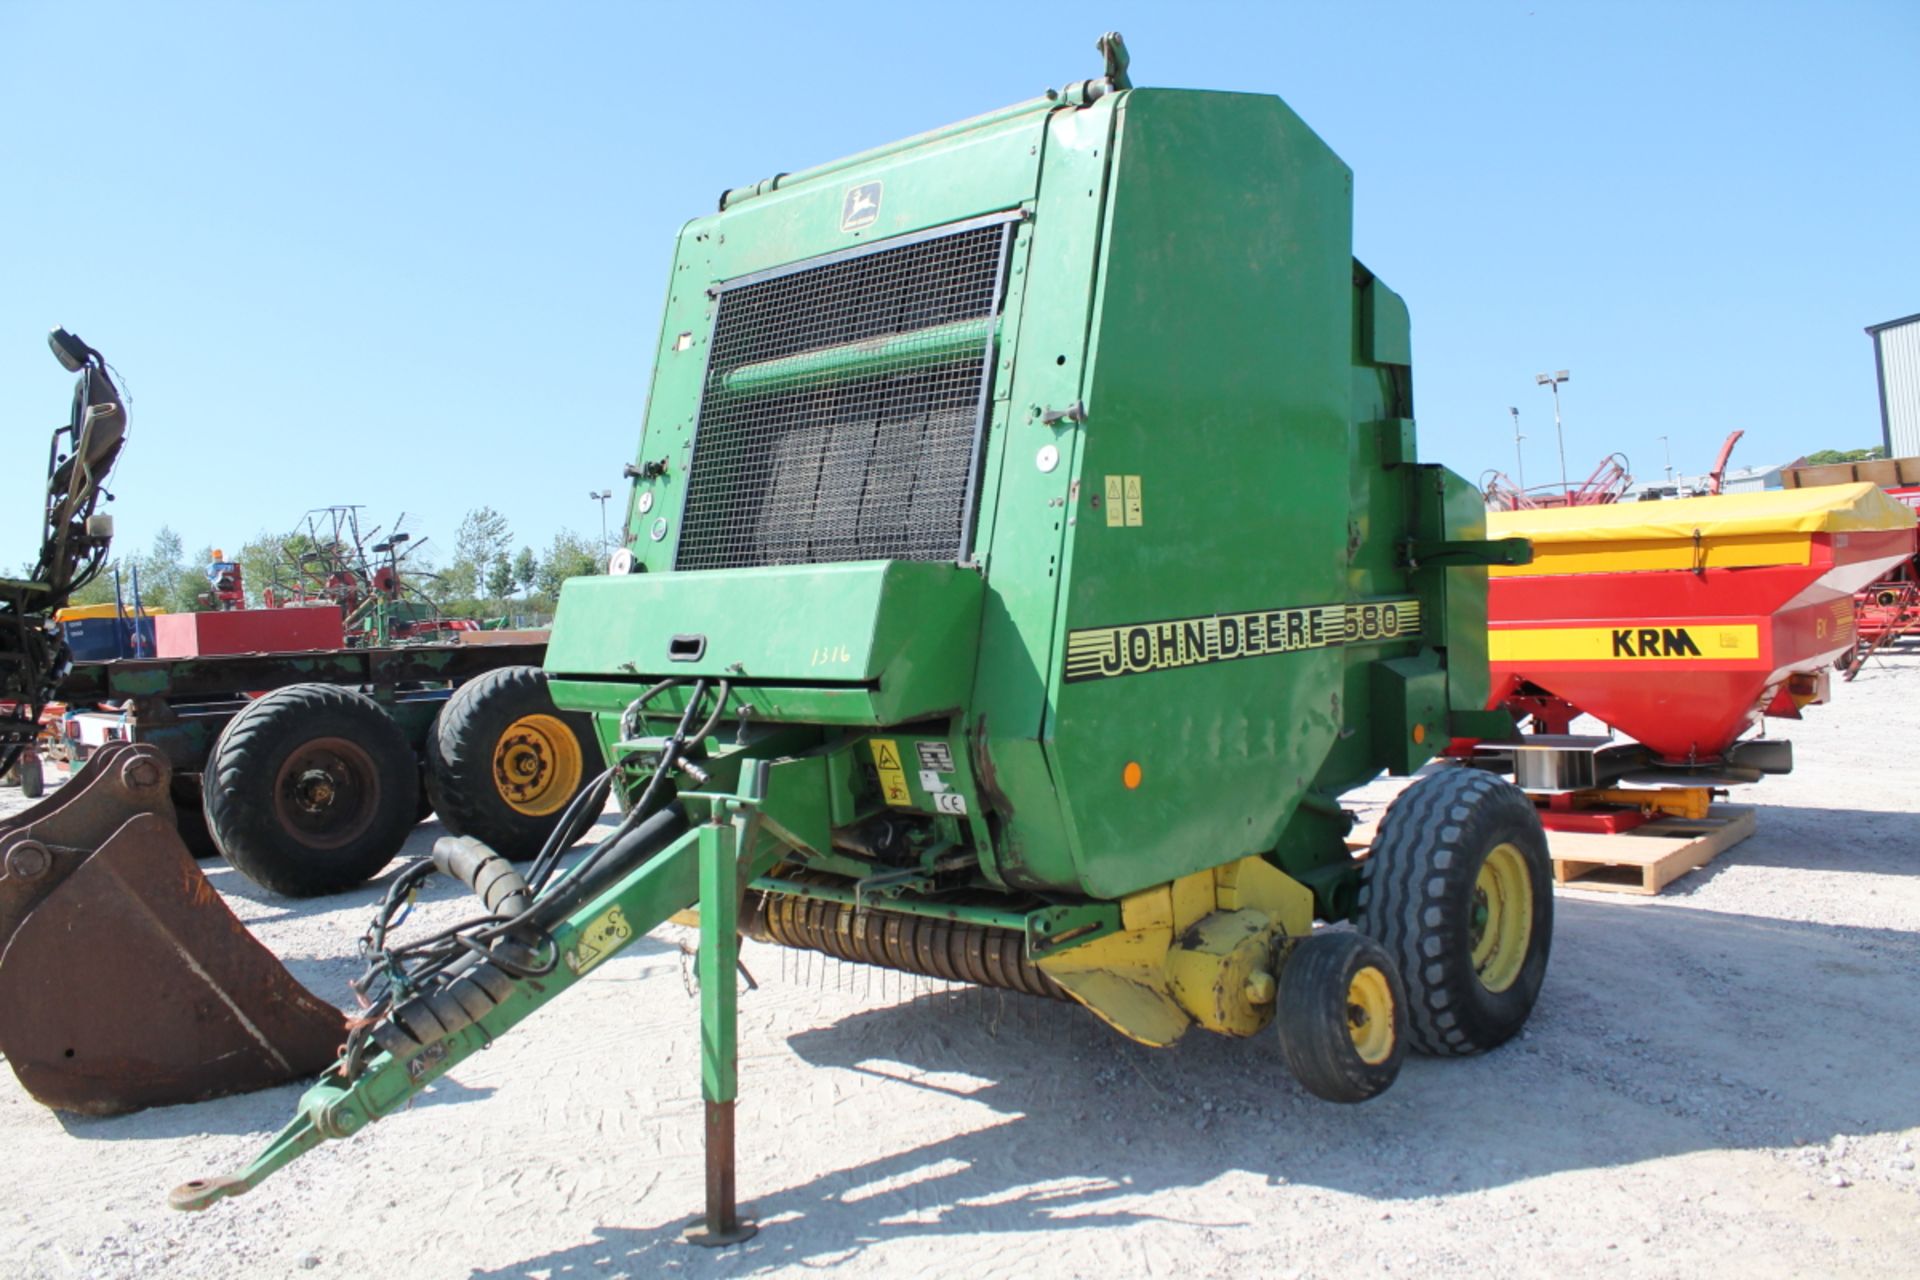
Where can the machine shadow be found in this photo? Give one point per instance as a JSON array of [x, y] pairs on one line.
[[1661, 1031], [1859, 841]]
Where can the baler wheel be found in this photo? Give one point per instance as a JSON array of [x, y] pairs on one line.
[[311, 789], [505, 762], [1459, 889], [1341, 1013]]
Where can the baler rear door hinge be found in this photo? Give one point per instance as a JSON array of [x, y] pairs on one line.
[[1489, 551]]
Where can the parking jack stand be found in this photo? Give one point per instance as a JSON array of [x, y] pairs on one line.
[[726, 842]]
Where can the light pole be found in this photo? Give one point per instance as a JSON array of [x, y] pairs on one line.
[[1519, 462], [601, 496], [1553, 381], [1668, 450]]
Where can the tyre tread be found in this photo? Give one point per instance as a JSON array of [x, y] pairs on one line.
[[460, 760], [248, 839], [1310, 1012], [1405, 884]]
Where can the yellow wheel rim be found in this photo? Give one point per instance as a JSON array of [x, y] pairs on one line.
[[1502, 927], [537, 765], [1370, 1015]]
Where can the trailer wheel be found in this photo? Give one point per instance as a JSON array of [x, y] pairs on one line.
[[190, 817], [1459, 889], [1341, 1013], [505, 762], [33, 778], [311, 789]]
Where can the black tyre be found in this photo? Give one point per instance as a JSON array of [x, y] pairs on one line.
[[1341, 1013], [311, 789], [1459, 889], [190, 817], [33, 778], [425, 808], [505, 763]]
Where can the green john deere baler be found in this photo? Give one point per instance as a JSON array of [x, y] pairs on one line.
[[1027, 549]]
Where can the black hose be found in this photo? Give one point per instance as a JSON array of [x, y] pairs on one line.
[[575, 820], [669, 760], [490, 876], [507, 943], [622, 854]]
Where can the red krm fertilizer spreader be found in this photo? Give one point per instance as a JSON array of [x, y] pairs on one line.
[[1678, 624]]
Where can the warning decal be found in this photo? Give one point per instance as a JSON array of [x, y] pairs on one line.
[[1098, 653], [1123, 502], [893, 776], [606, 934]]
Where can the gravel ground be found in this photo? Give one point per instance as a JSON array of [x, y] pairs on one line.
[[1719, 1081]]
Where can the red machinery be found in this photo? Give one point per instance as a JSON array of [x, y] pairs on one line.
[[1679, 624], [381, 597], [1608, 483], [1888, 610], [192, 635], [1885, 613]]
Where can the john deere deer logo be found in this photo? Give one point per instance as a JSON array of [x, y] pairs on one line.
[[862, 207]]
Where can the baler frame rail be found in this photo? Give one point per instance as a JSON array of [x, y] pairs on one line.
[[218, 674]]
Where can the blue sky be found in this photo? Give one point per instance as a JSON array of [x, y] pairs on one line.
[[411, 256]]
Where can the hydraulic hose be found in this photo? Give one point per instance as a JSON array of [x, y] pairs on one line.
[[476, 985], [489, 875]]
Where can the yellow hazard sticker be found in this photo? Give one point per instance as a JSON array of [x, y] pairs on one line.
[[1097, 653], [1624, 644], [1131, 485], [893, 775], [606, 934], [1123, 502]]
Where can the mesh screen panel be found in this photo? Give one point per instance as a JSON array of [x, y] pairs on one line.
[[840, 418]]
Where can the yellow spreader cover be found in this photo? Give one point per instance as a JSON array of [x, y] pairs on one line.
[[81, 612], [1727, 531]]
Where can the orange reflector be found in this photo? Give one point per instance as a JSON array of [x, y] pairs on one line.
[[1131, 774], [1419, 734]]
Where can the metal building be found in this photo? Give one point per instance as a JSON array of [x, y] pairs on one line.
[[1896, 360]]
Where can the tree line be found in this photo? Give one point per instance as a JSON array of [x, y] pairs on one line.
[[486, 577]]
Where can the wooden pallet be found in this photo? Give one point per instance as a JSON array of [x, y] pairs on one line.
[[1650, 857]]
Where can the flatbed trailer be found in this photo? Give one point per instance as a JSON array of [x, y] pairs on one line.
[[325, 759]]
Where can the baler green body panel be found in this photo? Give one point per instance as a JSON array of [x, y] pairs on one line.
[[1185, 611], [889, 640], [1218, 376]]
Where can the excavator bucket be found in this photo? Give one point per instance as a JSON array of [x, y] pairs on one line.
[[125, 982]]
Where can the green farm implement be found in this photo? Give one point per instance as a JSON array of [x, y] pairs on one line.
[[1028, 548]]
